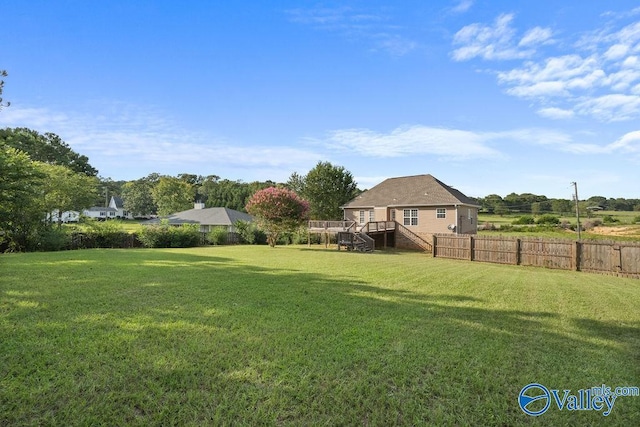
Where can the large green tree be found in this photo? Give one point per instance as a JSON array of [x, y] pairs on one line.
[[21, 188], [46, 148], [278, 210], [229, 194], [172, 195], [327, 188], [66, 190], [137, 197]]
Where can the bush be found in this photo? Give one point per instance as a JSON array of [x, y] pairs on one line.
[[548, 220], [524, 220], [246, 231], [608, 219], [636, 219], [487, 226], [164, 235], [218, 236], [54, 239], [591, 223]]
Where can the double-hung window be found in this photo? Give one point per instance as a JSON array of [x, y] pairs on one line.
[[441, 213], [361, 219], [411, 217]]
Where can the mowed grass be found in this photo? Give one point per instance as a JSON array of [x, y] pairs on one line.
[[249, 335]]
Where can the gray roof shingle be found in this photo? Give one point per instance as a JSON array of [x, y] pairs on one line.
[[417, 190], [207, 216]]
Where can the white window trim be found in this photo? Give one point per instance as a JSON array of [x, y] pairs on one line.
[[441, 213], [411, 219]]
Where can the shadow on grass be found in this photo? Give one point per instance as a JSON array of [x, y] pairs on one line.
[[161, 337]]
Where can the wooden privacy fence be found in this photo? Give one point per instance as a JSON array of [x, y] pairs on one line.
[[609, 257]]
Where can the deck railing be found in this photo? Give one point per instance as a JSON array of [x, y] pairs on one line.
[[378, 226], [332, 225]]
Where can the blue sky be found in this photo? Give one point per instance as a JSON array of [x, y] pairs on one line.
[[488, 96]]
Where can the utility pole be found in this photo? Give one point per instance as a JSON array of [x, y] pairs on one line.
[[575, 196]]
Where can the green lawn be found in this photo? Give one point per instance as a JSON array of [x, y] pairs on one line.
[[296, 336]]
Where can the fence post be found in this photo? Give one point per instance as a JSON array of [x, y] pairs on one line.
[[435, 245], [470, 247], [518, 250], [575, 256]]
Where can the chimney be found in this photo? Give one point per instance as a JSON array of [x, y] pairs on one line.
[[198, 205]]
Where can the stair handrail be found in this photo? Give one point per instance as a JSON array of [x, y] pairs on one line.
[[369, 242], [418, 240]]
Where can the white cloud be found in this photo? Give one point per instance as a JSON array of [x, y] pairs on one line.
[[615, 52], [493, 42], [600, 78], [413, 141], [462, 6], [611, 108], [370, 27], [536, 36], [629, 143], [460, 145], [555, 113], [129, 136]]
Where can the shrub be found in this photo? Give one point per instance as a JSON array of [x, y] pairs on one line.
[[591, 223], [608, 219], [165, 236], [487, 226], [217, 236], [566, 225], [54, 239], [524, 220], [246, 231], [636, 219], [548, 220]]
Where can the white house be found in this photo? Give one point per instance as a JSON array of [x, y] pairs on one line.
[[115, 210], [117, 203], [66, 216]]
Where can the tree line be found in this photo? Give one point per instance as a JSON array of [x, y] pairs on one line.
[[528, 203], [41, 174]]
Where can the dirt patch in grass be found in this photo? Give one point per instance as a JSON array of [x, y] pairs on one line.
[[630, 231]]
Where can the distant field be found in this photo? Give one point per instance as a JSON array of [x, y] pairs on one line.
[[304, 336], [624, 229]]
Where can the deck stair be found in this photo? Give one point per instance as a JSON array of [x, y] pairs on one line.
[[355, 241]]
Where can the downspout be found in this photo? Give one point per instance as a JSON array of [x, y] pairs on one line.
[[457, 221]]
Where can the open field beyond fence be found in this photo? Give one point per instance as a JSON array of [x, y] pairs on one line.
[[250, 335]]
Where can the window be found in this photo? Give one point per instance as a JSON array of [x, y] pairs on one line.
[[411, 217], [393, 215], [441, 213], [469, 216], [372, 216], [112, 214], [361, 217], [103, 213]]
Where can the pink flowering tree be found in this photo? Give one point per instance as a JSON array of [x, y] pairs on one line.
[[278, 210]]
